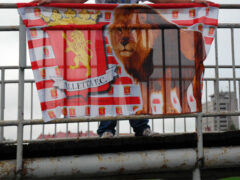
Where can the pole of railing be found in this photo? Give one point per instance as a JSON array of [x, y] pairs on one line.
[[2, 103], [200, 155], [22, 65], [118, 128], [206, 89], [222, 6], [152, 125], [239, 97], [31, 110], [229, 120], [233, 63], [216, 83], [88, 128]]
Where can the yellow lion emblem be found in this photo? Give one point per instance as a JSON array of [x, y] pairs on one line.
[[79, 46]]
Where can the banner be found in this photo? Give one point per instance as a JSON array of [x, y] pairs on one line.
[[115, 59]]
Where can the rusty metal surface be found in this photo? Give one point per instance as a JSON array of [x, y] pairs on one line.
[[96, 145], [70, 159], [122, 163], [107, 164], [219, 157], [7, 168], [68, 147]]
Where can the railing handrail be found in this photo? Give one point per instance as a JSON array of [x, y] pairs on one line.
[[222, 6], [95, 119], [220, 25]]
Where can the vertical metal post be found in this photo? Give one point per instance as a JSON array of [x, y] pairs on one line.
[[67, 130], [239, 94], [207, 103], [43, 131], [153, 124], [200, 155], [130, 129], [88, 128], [31, 110], [230, 96], [78, 124], [196, 174], [233, 62], [185, 126], [228, 121], [174, 125], [118, 128], [163, 121], [55, 130], [200, 138], [216, 83], [22, 65], [2, 103]]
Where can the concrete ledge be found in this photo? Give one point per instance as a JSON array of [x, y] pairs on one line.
[[120, 144]]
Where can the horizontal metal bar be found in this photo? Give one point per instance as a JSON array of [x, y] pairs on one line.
[[16, 81], [228, 25], [9, 28], [95, 165], [229, 6], [8, 5], [16, 28], [222, 6], [220, 79], [14, 67], [95, 119], [206, 66], [205, 79], [221, 66]]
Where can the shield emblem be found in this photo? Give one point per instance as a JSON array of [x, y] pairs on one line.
[[81, 60]]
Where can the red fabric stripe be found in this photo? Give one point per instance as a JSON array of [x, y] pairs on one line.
[[91, 101], [71, 5], [34, 23], [43, 63], [38, 43], [106, 40], [40, 22], [112, 6], [204, 20], [98, 26], [52, 104], [50, 63], [156, 101], [44, 84], [112, 60], [208, 40], [123, 80]]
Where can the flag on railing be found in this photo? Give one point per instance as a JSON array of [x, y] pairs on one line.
[[110, 60]]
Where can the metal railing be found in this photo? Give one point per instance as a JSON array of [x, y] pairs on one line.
[[233, 84]]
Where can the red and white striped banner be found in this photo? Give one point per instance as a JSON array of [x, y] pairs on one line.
[[80, 71]]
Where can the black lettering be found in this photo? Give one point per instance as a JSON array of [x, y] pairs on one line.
[[89, 83]]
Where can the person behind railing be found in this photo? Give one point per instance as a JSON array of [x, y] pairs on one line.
[[106, 129]]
